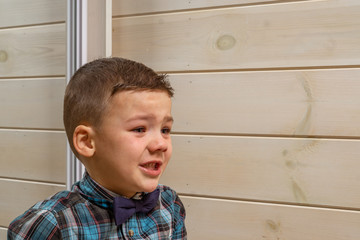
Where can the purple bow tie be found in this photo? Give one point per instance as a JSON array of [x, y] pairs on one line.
[[124, 208]]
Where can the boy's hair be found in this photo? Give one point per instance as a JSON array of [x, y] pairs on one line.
[[92, 86]]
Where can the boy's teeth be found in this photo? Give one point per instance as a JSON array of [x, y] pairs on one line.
[[150, 165]]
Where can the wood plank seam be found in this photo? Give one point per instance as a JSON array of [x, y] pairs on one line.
[[30, 77], [31, 25], [239, 70], [314, 137], [277, 203], [30, 181], [204, 8]]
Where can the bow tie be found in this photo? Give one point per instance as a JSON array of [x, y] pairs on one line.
[[124, 208]]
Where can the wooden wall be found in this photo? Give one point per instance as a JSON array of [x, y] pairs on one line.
[[267, 111], [32, 84]]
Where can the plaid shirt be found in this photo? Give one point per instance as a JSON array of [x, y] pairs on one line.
[[85, 212]]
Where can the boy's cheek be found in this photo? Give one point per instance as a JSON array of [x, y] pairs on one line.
[[169, 154], [170, 147]]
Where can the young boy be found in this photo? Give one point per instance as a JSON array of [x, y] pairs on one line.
[[117, 117]]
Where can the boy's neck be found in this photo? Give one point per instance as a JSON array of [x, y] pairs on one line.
[[137, 196]]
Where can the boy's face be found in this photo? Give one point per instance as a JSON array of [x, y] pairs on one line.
[[133, 144]]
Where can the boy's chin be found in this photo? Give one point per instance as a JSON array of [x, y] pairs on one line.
[[150, 187]]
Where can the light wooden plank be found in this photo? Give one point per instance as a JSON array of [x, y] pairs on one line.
[[308, 33], [220, 219], [17, 196], [128, 7], [35, 155], [3, 233], [35, 103], [308, 103], [309, 171], [99, 32], [33, 51], [24, 12]]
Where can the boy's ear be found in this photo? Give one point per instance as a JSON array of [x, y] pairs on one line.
[[83, 140]]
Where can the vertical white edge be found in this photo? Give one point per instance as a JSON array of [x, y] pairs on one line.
[[83, 33], [108, 14], [69, 71]]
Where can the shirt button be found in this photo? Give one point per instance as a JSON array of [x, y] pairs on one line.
[[131, 233]]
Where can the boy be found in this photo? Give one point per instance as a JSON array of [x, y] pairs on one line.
[[117, 117]]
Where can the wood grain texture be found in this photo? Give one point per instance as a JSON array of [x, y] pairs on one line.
[[98, 42], [307, 171], [213, 219], [12, 200], [23, 12], [307, 103], [33, 51], [35, 103], [128, 7], [303, 34], [33, 155]]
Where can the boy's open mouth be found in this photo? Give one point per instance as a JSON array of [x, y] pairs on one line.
[[151, 166], [152, 169]]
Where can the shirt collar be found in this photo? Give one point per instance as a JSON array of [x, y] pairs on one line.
[[93, 191], [137, 196]]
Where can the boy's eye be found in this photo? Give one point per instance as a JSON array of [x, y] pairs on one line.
[[139, 130], [165, 131]]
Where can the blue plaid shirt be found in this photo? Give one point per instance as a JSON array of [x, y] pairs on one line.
[[85, 212]]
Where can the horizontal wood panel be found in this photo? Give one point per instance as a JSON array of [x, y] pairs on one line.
[[220, 219], [33, 155], [126, 7], [33, 51], [307, 33], [307, 103], [24, 12], [35, 103], [309, 171], [17, 196]]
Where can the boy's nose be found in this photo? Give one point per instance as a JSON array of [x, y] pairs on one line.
[[158, 143]]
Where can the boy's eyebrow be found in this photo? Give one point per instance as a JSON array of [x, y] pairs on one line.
[[168, 119], [149, 117]]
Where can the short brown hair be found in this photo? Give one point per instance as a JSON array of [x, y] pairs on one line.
[[91, 87]]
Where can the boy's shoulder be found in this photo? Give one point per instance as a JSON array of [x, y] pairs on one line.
[[43, 215], [58, 202], [53, 205]]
